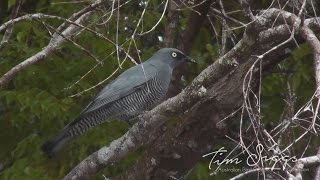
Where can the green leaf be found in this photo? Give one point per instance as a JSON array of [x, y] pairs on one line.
[[11, 3], [21, 36]]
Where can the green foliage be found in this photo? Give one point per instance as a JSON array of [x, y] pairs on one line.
[[26, 160], [11, 3], [295, 71], [201, 172], [37, 102]]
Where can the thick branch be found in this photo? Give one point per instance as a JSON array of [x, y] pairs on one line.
[[211, 95], [179, 147], [171, 29], [142, 131], [193, 27], [303, 162], [138, 134], [314, 42]]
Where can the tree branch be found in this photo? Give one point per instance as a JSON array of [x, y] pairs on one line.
[[317, 173], [313, 41], [78, 17], [195, 20], [215, 90], [55, 42], [9, 29], [138, 134], [303, 162]]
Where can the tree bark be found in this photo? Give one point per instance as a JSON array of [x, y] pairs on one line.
[[171, 151]]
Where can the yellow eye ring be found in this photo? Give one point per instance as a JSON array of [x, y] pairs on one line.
[[174, 54]]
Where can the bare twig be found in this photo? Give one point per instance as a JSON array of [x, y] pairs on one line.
[[313, 41], [53, 44], [9, 29], [140, 133], [55, 41], [246, 8], [223, 32], [136, 136], [162, 15]]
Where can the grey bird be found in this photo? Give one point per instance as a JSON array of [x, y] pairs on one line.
[[130, 94]]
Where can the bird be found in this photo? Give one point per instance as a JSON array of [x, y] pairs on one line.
[[129, 95]]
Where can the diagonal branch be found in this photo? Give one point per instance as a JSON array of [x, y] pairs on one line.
[[215, 90], [137, 135], [66, 29], [55, 42], [9, 29], [314, 42]]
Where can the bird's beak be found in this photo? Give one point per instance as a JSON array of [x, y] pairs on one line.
[[189, 59]]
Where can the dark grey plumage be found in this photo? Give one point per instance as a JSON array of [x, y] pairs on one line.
[[131, 93]]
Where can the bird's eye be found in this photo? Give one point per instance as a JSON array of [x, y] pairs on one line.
[[174, 54]]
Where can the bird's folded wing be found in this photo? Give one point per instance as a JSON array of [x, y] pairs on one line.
[[125, 84]]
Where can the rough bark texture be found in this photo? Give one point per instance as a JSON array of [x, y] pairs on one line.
[[179, 146], [187, 41], [172, 150], [176, 133]]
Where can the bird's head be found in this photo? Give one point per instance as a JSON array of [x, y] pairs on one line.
[[171, 56]]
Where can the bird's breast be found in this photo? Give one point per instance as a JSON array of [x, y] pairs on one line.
[[140, 100]]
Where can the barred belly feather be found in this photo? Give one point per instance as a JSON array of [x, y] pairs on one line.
[[130, 94], [125, 108]]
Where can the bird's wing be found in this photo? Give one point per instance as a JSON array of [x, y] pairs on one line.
[[124, 84]]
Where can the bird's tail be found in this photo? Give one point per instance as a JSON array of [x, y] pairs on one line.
[[56, 143]]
